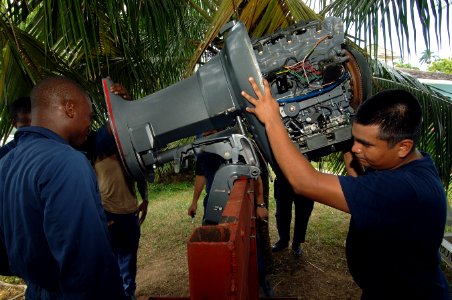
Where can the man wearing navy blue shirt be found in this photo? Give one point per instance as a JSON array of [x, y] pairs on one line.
[[207, 164], [51, 219], [394, 195]]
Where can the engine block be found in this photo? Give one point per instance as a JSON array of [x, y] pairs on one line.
[[306, 67]]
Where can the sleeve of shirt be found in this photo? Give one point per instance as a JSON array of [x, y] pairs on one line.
[[76, 230], [142, 187], [198, 168], [378, 200]]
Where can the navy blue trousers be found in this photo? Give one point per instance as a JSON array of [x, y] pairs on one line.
[[284, 197], [125, 237]]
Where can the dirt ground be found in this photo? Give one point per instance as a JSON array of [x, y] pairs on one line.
[[320, 273], [317, 275], [311, 276]]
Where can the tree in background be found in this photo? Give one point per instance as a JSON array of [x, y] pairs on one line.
[[147, 45], [443, 65], [427, 56]]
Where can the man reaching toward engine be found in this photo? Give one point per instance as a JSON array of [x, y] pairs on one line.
[[395, 196]]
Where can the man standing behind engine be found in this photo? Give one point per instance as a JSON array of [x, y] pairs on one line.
[[284, 197], [117, 189]]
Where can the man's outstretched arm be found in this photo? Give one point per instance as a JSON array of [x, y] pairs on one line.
[[305, 180]]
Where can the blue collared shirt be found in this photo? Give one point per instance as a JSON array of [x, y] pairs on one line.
[[51, 219]]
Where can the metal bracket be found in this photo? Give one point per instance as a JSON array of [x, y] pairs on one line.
[[240, 160]]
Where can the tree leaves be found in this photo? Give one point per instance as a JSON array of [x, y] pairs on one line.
[[150, 44]]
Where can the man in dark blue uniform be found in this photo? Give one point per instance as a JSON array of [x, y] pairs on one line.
[[207, 164], [284, 197], [20, 111], [394, 195], [51, 219]]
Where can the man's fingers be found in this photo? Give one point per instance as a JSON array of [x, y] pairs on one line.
[[257, 91], [266, 87], [118, 89], [256, 88], [249, 98]]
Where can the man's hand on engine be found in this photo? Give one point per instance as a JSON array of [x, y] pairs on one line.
[[265, 107], [118, 89]]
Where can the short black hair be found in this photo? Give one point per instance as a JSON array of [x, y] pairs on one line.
[[397, 113], [20, 105]]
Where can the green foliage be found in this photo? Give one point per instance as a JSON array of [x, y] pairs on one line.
[[405, 65], [443, 65], [132, 42], [11, 280], [135, 44], [379, 22]]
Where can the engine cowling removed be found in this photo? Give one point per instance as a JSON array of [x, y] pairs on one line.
[[317, 81]]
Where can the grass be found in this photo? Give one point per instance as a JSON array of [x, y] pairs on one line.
[[162, 266], [322, 272]]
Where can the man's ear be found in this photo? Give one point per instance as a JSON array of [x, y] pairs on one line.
[[69, 109], [405, 147]]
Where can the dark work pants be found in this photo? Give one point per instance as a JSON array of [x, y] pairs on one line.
[[36, 292], [125, 237], [284, 197]]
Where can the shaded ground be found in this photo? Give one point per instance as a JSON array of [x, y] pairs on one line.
[[321, 273], [311, 277]]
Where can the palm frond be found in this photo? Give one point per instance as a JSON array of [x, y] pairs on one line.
[[150, 44], [371, 21], [261, 17]]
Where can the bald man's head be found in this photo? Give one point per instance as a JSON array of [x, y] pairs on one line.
[[54, 91], [61, 105]]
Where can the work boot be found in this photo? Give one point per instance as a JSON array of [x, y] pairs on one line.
[[280, 245], [296, 250]]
